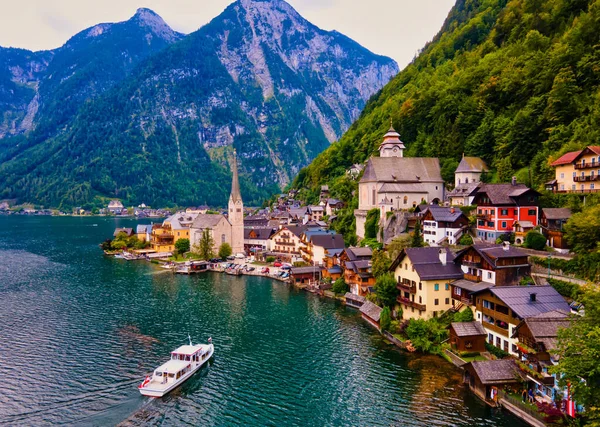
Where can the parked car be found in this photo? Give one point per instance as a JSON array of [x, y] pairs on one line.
[[265, 270], [277, 264], [240, 256], [251, 269], [286, 267], [230, 258]]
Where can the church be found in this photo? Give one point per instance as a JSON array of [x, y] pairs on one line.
[[394, 182], [224, 229]]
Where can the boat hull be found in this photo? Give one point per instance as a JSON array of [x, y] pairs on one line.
[[153, 391]]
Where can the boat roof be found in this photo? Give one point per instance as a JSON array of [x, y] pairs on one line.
[[172, 366], [187, 350]]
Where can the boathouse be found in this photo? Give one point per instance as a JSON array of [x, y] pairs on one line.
[[467, 337], [371, 313], [485, 378]]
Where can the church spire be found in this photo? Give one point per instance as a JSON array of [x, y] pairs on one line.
[[235, 185]]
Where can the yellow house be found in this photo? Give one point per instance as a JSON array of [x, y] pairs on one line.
[[577, 172], [165, 235], [423, 277]]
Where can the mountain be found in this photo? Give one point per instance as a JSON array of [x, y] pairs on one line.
[[47, 88], [516, 82], [258, 78]]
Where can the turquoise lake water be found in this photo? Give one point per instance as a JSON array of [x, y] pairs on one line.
[[79, 332]]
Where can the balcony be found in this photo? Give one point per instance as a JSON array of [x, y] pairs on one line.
[[586, 165], [472, 277], [409, 303], [280, 242], [471, 263], [586, 178], [407, 287], [579, 191], [487, 217]]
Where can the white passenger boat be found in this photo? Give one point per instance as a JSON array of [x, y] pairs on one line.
[[185, 360]]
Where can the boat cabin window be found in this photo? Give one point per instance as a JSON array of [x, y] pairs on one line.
[[158, 374], [171, 375]]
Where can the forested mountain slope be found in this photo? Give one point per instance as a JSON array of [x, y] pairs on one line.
[[258, 77], [515, 82]]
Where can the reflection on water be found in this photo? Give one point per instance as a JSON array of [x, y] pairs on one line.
[[80, 331]]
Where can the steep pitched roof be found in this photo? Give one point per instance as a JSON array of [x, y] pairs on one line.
[[203, 221], [496, 371], [590, 149], [464, 190], [235, 185], [557, 213], [261, 233], [328, 241], [519, 300], [402, 169], [503, 194], [445, 214], [468, 329], [426, 262], [566, 158], [355, 253], [471, 164]]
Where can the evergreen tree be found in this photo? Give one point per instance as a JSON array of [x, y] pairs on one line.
[[417, 238], [225, 250]]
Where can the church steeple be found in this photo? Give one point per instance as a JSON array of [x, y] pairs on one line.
[[235, 185], [391, 145]]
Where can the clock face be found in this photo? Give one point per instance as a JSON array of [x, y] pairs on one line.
[[395, 149]]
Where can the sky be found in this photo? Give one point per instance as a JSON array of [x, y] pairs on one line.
[[395, 28]]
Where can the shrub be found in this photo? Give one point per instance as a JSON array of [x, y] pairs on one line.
[[566, 289], [464, 316], [386, 290], [498, 352], [182, 246], [385, 319], [340, 286], [535, 240], [465, 240], [372, 224], [270, 259], [225, 250]]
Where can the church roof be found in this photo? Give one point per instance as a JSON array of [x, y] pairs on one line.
[[402, 169], [471, 164], [203, 221], [235, 185]]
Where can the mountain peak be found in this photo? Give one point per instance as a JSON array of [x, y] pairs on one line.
[[150, 19]]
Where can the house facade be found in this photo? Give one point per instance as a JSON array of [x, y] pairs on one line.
[[499, 206], [443, 225], [467, 337], [319, 244], [423, 277], [501, 309], [357, 267], [401, 181], [553, 221], [115, 207], [577, 172], [257, 239]]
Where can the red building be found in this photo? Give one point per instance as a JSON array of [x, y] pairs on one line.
[[499, 206]]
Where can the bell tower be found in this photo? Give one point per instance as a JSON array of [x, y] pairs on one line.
[[236, 210], [391, 145]]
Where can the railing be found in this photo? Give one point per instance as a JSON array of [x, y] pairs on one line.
[[472, 277], [406, 301], [285, 243], [586, 165], [497, 329], [468, 263], [407, 287], [589, 190], [586, 178], [484, 216], [515, 401]]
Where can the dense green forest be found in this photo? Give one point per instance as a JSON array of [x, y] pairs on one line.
[[514, 82]]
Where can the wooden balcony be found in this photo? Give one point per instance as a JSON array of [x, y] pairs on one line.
[[409, 303], [587, 165], [471, 263], [407, 287], [497, 329], [472, 277], [586, 178]]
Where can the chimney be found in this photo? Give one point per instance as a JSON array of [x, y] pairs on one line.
[[443, 256], [506, 246], [532, 297], [514, 180], [452, 210]]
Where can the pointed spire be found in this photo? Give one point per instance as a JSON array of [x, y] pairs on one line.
[[235, 185]]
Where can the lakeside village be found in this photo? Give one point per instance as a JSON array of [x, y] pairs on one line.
[[476, 275]]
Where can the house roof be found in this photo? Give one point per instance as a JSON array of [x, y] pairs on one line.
[[471, 164], [143, 228], [503, 194], [472, 286], [402, 169], [305, 270], [590, 149], [557, 213], [445, 214], [328, 241], [518, 299], [354, 297], [496, 371], [262, 233], [331, 202], [493, 252], [464, 190], [355, 253], [115, 204], [128, 231], [371, 310], [468, 329], [203, 221], [427, 264], [402, 187], [566, 158], [544, 327]]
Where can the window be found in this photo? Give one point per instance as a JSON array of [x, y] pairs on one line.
[[406, 266], [478, 316], [480, 211], [222, 238], [420, 300], [420, 286], [490, 338], [498, 342], [447, 301], [503, 224], [504, 211], [562, 175], [481, 223], [573, 187], [436, 302], [591, 186], [447, 286], [373, 196], [458, 291], [489, 275], [514, 348], [582, 187], [405, 200], [574, 174], [487, 304], [531, 212], [436, 287], [562, 186]]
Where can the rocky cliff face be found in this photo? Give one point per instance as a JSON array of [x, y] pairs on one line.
[[258, 77]]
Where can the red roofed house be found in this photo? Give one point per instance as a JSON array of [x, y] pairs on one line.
[[500, 206], [577, 171]]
